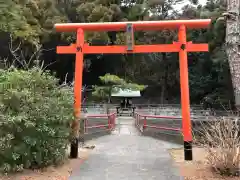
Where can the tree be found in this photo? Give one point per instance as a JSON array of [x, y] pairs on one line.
[[31, 23], [112, 84], [148, 64], [232, 45], [109, 81]]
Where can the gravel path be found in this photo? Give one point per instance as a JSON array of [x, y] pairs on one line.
[[126, 155]]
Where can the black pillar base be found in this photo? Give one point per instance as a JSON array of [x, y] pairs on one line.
[[74, 149], [188, 156], [117, 111]]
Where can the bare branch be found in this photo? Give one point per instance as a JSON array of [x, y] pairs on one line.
[[35, 54], [43, 68], [11, 45], [220, 138], [14, 53], [21, 59], [65, 79]]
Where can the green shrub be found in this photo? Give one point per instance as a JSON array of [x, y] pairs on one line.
[[34, 120]]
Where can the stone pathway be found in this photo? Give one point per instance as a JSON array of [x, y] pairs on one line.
[[126, 155]]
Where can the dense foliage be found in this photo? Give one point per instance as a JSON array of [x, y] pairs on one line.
[[113, 84], [34, 121], [31, 22]]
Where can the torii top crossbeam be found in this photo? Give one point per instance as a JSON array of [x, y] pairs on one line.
[[137, 25]]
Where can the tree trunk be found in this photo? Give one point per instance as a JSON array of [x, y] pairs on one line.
[[164, 84], [232, 46], [162, 94], [109, 101], [108, 107]]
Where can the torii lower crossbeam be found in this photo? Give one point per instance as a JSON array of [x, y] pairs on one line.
[[182, 47], [175, 47]]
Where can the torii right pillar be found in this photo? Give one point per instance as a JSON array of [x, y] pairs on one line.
[[185, 102]]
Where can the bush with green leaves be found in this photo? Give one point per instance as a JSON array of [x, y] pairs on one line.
[[35, 119], [113, 84]]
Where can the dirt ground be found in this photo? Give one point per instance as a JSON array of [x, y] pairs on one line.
[[52, 173], [198, 168]]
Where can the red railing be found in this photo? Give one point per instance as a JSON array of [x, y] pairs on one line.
[[109, 125], [141, 122]]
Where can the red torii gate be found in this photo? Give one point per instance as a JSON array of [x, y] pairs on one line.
[[182, 46]]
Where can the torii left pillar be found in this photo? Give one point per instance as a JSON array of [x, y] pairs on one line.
[[77, 92]]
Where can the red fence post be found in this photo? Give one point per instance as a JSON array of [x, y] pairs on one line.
[[109, 122], [114, 120], [138, 119], [135, 119], [85, 125], [144, 123]]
